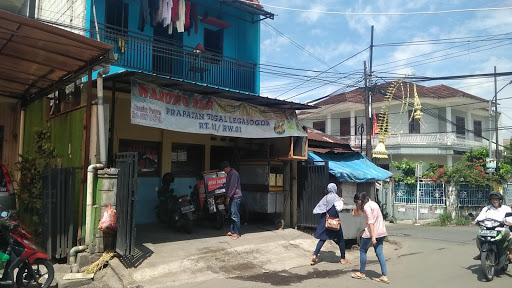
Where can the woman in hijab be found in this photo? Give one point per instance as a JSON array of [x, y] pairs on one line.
[[326, 207]]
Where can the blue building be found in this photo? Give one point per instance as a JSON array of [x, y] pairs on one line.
[[180, 96], [217, 45]]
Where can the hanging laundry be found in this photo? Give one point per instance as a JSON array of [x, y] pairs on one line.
[[144, 14], [195, 19], [154, 8], [165, 16], [180, 24], [175, 10], [187, 15]]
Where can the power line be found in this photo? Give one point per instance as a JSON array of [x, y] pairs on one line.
[[444, 56], [330, 68], [466, 10], [296, 44]]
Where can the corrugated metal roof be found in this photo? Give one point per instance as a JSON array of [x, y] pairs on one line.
[[36, 57]]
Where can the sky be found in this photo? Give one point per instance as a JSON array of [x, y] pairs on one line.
[[331, 38]]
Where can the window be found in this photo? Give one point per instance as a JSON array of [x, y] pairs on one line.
[[345, 127], [187, 159], [213, 40], [460, 126], [116, 14], [414, 124], [319, 125], [148, 156], [477, 129]]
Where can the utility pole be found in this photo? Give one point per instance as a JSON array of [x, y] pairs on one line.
[[368, 101], [367, 114], [496, 116], [490, 133]]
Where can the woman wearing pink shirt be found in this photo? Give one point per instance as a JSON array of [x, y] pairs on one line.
[[374, 234]]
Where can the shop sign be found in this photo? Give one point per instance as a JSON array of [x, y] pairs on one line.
[[215, 181], [168, 109]]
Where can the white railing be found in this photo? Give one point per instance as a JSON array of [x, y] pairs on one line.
[[432, 139]]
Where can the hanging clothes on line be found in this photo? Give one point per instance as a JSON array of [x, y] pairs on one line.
[[180, 23], [187, 15], [144, 14], [195, 18]]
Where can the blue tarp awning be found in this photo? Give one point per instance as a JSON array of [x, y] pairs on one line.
[[351, 167]]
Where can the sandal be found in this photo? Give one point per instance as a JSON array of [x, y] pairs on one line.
[[344, 261], [383, 279], [229, 234], [358, 275], [235, 236], [314, 260]]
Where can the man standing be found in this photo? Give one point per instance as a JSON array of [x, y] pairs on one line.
[[234, 194]]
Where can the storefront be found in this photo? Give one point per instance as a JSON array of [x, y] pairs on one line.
[[187, 133]]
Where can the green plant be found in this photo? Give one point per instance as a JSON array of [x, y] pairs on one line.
[[471, 169], [30, 185], [445, 219], [462, 221], [406, 171]]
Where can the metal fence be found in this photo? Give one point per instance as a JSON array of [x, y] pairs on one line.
[[170, 58], [508, 193], [59, 230], [312, 180], [429, 193], [470, 195]]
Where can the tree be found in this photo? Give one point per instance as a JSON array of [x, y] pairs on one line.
[[406, 171]]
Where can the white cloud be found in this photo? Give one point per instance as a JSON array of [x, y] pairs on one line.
[[382, 23], [312, 17]]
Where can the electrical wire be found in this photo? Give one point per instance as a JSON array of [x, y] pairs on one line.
[[347, 13], [319, 74]]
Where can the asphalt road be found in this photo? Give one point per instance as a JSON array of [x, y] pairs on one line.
[[427, 257]]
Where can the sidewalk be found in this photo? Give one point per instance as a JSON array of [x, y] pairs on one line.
[[257, 255]]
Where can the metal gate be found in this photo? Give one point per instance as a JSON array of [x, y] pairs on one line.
[[313, 177], [125, 203], [59, 231]]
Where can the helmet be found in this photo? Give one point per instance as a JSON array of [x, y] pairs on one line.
[[496, 195]]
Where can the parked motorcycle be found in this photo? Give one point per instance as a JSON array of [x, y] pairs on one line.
[[177, 212], [209, 196], [33, 266], [493, 247]]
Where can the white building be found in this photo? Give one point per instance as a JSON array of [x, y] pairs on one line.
[[453, 122]]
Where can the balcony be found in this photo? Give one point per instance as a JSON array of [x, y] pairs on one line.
[[135, 51], [436, 140]]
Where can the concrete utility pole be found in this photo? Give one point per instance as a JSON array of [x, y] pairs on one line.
[[367, 114], [496, 115], [368, 102]]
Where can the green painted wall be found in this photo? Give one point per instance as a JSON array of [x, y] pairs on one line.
[[33, 121], [67, 135]]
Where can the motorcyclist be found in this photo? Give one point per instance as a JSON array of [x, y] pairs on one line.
[[496, 211]]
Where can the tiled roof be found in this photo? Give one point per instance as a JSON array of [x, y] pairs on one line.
[[436, 92], [326, 142]]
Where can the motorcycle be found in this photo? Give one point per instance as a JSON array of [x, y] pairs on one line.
[[33, 266], [216, 205], [177, 212], [209, 195], [493, 247]]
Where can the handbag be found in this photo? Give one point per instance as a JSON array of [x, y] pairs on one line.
[[332, 223]]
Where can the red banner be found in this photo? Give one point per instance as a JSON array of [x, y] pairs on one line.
[[215, 183]]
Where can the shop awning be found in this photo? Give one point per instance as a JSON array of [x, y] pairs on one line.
[[351, 167], [38, 58]]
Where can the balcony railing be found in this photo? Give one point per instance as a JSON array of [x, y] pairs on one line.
[[420, 140], [167, 58]]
